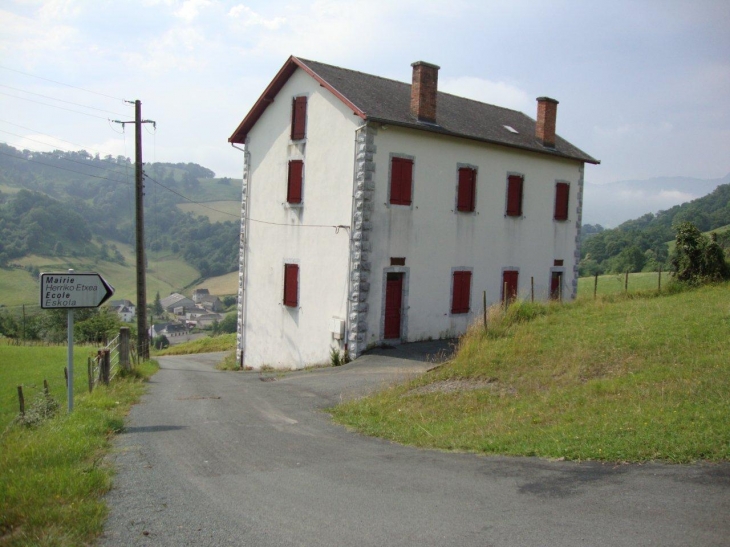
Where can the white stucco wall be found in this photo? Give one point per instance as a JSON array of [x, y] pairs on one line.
[[274, 334], [435, 239]]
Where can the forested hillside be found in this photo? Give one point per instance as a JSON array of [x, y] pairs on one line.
[[641, 244], [75, 204]]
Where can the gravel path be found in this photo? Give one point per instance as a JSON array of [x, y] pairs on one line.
[[213, 458]]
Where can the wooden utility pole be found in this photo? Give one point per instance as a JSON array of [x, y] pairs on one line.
[[143, 350]]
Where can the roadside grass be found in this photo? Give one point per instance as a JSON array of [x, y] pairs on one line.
[[53, 476], [223, 342], [628, 378]]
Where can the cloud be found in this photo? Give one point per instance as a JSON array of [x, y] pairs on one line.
[[250, 18], [176, 49], [480, 89], [191, 8]]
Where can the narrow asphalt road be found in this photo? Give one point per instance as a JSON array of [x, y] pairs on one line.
[[219, 458]]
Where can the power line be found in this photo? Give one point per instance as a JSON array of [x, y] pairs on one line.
[[60, 100], [61, 83], [336, 227], [62, 168], [53, 106]]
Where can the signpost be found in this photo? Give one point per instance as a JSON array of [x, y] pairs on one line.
[[70, 291]]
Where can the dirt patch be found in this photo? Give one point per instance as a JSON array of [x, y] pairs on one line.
[[452, 386]]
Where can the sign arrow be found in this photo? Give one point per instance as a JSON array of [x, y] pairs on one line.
[[74, 290]]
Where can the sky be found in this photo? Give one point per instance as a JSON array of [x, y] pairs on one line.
[[644, 86]]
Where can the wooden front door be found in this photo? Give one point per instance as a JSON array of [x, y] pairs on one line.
[[509, 286], [393, 305], [556, 281]]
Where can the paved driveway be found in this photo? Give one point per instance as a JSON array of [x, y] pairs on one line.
[[221, 458]]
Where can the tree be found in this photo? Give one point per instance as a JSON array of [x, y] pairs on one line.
[[157, 306], [228, 324], [697, 258]]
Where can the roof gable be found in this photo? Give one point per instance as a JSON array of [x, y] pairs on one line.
[[377, 99]]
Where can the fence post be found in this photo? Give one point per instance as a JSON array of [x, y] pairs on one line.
[[484, 306], [105, 366], [532, 289], [660, 278], [65, 375], [506, 297], [595, 287], [21, 400], [124, 348], [90, 371], [626, 282], [46, 391]]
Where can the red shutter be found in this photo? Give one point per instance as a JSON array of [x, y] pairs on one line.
[[298, 118], [401, 179], [467, 189], [514, 196], [462, 292], [291, 284], [294, 186], [562, 193], [509, 282]]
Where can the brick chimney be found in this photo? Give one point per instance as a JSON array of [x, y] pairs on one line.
[[424, 90], [547, 111]]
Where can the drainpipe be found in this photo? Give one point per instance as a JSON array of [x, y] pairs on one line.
[[352, 232]]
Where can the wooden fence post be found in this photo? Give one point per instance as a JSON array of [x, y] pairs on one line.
[[105, 366], [46, 391], [506, 296], [532, 289], [65, 375], [484, 306], [21, 400], [90, 371], [626, 282], [595, 287], [660, 278], [124, 348]]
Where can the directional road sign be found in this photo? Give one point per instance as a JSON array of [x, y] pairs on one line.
[[74, 290]]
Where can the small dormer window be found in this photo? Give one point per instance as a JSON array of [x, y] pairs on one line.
[[299, 118]]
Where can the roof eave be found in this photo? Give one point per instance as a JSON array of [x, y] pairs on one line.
[[267, 97], [435, 128]]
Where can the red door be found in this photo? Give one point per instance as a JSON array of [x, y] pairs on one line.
[[555, 285], [393, 304], [509, 286]]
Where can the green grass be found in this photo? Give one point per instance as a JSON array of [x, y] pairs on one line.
[[223, 342], [620, 379], [226, 284], [614, 283], [53, 477]]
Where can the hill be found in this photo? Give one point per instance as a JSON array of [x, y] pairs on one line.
[[614, 203], [641, 244], [641, 378], [73, 208]]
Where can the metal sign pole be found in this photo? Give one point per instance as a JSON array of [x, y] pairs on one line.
[[70, 386]]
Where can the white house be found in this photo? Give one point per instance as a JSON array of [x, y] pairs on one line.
[[374, 210]]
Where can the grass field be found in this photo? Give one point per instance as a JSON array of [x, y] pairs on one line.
[[619, 379], [222, 285], [223, 342], [614, 283], [224, 210], [53, 476]]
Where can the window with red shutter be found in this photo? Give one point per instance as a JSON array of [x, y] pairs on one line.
[[461, 292], [514, 195], [298, 118], [466, 192], [294, 181], [562, 193], [291, 285], [401, 181]]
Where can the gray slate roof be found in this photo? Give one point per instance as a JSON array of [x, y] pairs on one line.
[[388, 101]]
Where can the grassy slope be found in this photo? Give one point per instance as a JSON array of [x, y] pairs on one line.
[[641, 379], [52, 477], [223, 342], [614, 283], [222, 285]]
